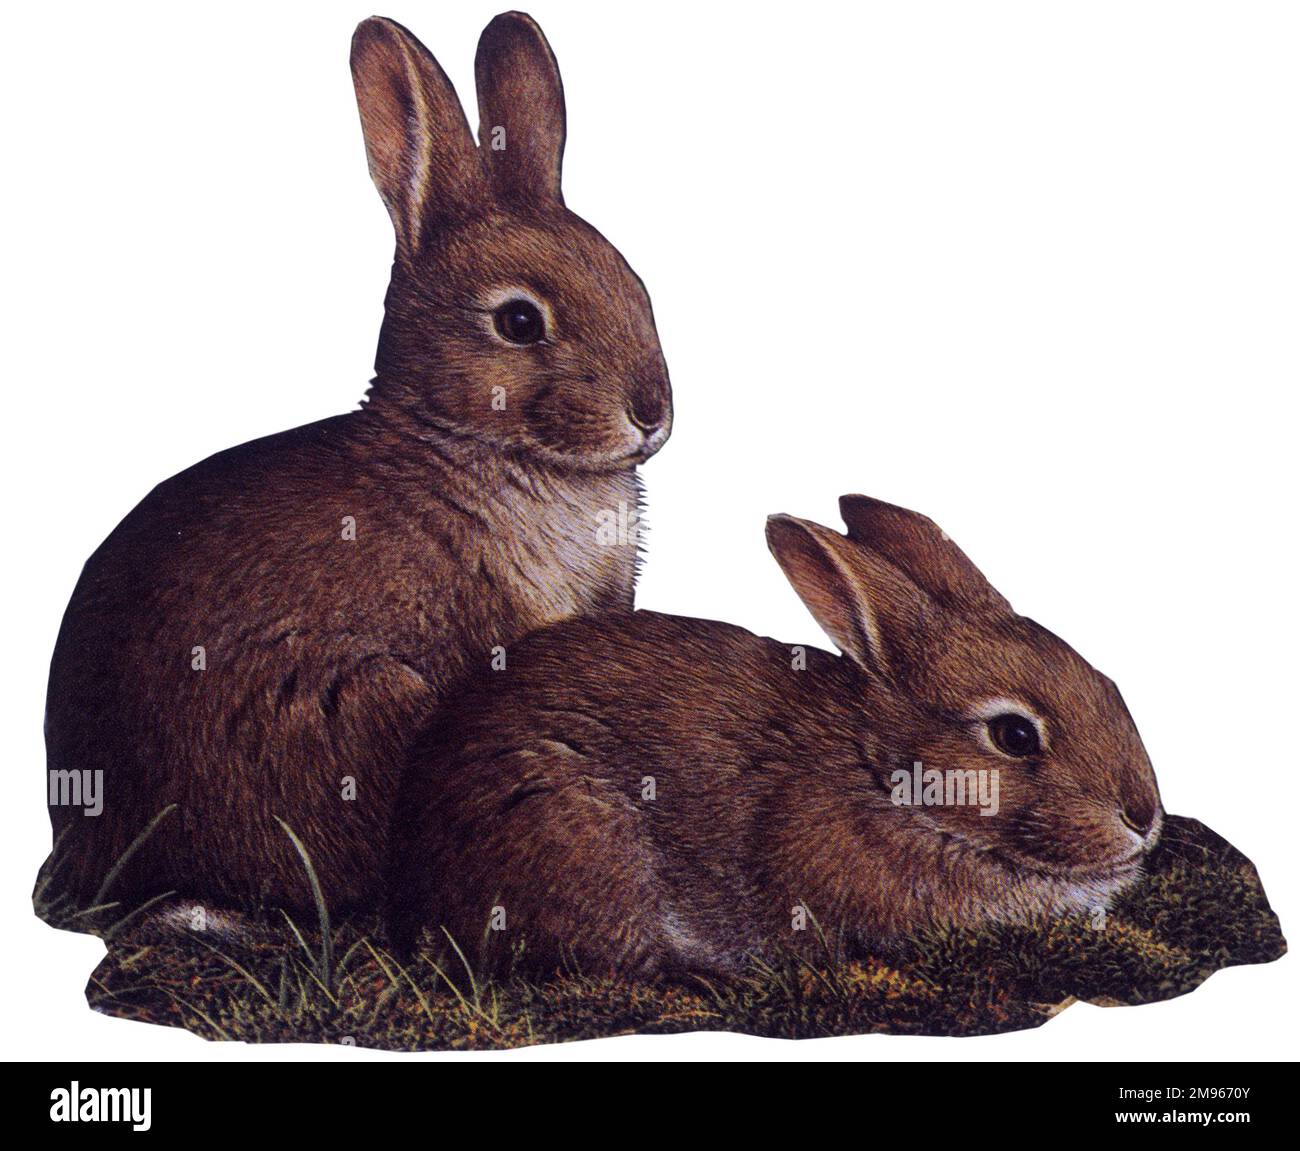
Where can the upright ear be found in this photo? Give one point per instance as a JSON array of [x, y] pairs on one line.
[[917, 545], [422, 156], [520, 109], [872, 611]]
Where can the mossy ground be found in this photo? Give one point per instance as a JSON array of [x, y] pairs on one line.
[[1200, 908]]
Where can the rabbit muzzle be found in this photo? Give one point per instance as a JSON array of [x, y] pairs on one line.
[[650, 407]]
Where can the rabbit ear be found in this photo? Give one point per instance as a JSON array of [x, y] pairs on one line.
[[521, 109], [917, 545], [872, 611], [422, 156]]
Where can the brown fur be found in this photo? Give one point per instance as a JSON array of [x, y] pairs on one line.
[[772, 784], [474, 525]]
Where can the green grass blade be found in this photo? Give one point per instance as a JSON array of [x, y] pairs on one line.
[[116, 927], [125, 857], [326, 972]]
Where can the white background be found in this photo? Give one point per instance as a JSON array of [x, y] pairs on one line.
[[1030, 268]]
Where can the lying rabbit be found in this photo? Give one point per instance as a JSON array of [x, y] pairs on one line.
[[260, 638], [647, 793]]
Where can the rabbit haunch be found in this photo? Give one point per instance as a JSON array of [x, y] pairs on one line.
[[773, 796], [469, 523]]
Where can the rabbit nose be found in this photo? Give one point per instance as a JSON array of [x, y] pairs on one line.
[[1138, 814], [650, 398]]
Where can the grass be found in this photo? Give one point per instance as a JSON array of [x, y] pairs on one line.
[[1200, 908]]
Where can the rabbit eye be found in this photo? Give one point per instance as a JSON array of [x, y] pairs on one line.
[[1014, 735], [519, 321]]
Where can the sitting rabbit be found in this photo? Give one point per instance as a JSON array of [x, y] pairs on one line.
[[262, 636], [646, 793]]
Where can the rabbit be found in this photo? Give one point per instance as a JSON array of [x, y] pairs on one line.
[[261, 637], [644, 795]]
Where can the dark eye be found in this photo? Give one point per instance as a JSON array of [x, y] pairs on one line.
[[520, 322], [1014, 735]]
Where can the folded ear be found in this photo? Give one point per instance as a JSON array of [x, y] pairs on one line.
[[422, 156], [521, 109], [917, 545], [872, 611]]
